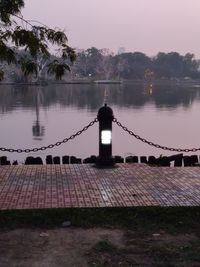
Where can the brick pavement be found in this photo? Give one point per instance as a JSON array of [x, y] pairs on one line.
[[82, 185]]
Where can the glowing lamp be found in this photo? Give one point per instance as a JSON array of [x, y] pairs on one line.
[[105, 117], [106, 137]]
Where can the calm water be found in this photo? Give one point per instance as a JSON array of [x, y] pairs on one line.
[[33, 116]]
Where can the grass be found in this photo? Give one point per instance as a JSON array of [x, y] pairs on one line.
[[104, 246], [175, 255], [161, 254], [178, 219], [152, 236], [106, 254]]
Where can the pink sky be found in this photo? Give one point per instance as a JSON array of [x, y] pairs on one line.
[[147, 26]]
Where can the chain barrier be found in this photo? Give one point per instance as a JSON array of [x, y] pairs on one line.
[[27, 150], [153, 144]]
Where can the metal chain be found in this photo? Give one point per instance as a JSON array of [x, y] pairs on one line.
[[27, 150], [153, 144]]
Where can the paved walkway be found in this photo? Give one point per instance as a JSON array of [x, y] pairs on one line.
[[59, 186]]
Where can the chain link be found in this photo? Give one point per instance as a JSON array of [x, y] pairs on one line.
[[27, 150], [153, 144]]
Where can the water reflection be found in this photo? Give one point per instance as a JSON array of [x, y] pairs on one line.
[[148, 89], [32, 116], [38, 129], [92, 96]]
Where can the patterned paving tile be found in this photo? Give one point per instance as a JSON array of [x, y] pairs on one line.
[[58, 186]]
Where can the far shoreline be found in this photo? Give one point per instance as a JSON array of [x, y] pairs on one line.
[[172, 81]]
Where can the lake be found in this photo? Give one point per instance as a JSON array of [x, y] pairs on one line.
[[35, 116]]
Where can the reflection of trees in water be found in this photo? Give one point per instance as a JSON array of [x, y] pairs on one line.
[[162, 96], [92, 97]]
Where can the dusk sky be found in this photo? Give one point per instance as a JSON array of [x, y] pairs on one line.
[[147, 26]]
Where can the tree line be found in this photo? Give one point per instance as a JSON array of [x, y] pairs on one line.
[[103, 64]]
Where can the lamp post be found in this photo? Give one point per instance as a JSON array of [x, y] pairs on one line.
[[105, 118]]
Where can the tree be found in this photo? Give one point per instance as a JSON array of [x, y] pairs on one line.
[[106, 63], [89, 62], [131, 65], [173, 64], [17, 34]]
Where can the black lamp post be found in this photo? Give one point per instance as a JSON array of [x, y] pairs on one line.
[[105, 118]]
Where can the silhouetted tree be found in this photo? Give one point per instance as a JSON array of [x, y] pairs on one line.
[[32, 38]]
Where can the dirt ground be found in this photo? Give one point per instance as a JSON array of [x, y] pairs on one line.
[[58, 247], [98, 247]]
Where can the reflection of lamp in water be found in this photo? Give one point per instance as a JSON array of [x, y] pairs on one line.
[[148, 89], [149, 76], [37, 129]]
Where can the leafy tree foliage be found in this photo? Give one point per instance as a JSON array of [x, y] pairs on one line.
[[135, 65], [131, 65], [89, 62], [17, 33], [174, 65]]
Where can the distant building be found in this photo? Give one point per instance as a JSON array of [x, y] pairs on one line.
[[121, 50]]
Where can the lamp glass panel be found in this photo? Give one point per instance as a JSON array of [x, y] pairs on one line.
[[106, 137]]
